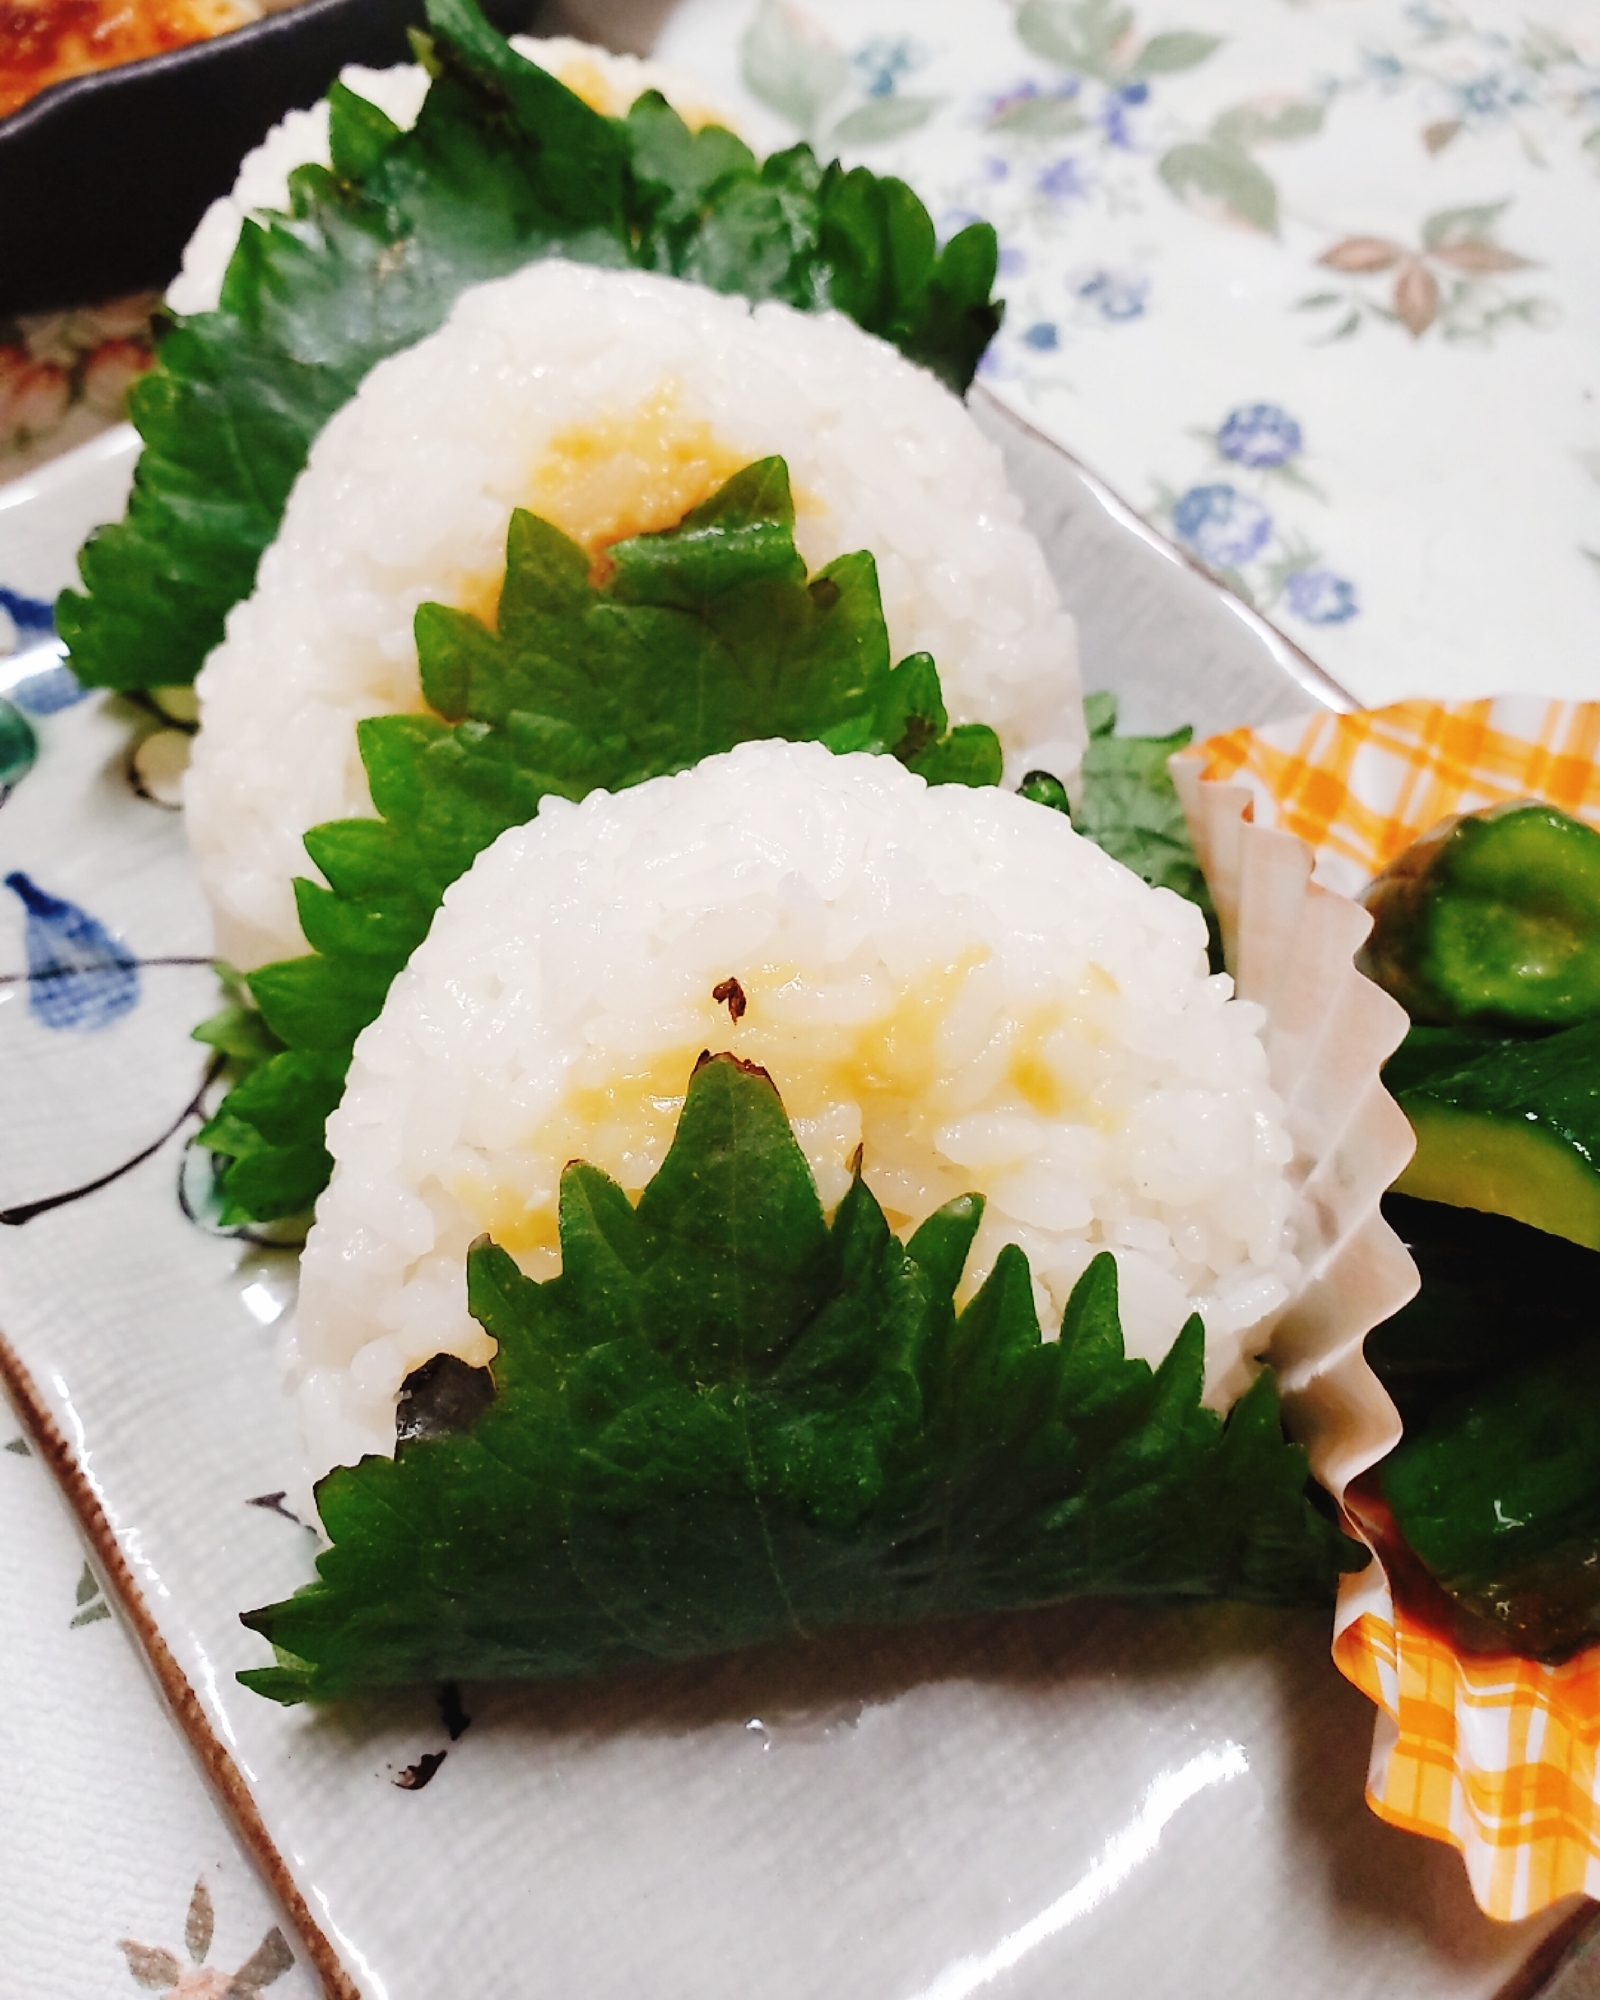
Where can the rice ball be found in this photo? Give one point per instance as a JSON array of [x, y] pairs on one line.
[[610, 402], [951, 980], [607, 83]]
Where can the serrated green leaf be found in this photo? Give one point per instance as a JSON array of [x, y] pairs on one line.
[[1129, 807], [1206, 173], [727, 1421], [503, 166], [704, 636], [239, 1033], [1100, 712], [359, 134]]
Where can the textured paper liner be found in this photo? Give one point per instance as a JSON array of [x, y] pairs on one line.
[[1495, 1754]]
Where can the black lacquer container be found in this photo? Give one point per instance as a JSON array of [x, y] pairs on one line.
[[103, 177]]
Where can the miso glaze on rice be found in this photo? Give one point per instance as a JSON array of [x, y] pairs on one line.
[[951, 980], [611, 403]]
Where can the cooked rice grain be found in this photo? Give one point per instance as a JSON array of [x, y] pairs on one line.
[[953, 980], [606, 400]]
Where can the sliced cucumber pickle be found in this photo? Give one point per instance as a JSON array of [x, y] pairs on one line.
[[1493, 918], [1516, 1133], [1499, 1497], [1470, 1321]]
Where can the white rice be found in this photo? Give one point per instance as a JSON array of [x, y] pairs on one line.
[[410, 488], [610, 83], [951, 979]]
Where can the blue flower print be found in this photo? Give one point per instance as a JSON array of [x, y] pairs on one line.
[[1063, 180], [1114, 112], [79, 976], [1012, 261], [880, 64], [1492, 96], [1259, 434], [1223, 526], [1117, 296], [1043, 336], [1321, 598]]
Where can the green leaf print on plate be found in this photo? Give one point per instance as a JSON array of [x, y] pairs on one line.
[[1207, 174], [884, 118], [1098, 38], [91, 1605], [793, 67], [1179, 49], [1219, 173]]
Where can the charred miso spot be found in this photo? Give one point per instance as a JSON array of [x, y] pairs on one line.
[[440, 1398], [415, 1776], [731, 991], [920, 732], [739, 1063]]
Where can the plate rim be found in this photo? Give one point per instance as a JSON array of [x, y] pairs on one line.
[[217, 1763]]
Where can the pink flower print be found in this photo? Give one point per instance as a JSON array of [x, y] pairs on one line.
[[1458, 248], [160, 1971]]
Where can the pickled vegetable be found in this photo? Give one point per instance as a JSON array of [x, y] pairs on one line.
[[1499, 1496], [1493, 918], [1471, 1320], [1515, 1132]]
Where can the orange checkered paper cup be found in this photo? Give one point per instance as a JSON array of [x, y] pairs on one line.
[[1498, 1755]]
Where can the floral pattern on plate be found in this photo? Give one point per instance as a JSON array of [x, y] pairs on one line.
[[1201, 205], [1228, 518]]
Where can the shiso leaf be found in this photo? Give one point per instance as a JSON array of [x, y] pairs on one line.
[[504, 166], [1130, 804], [1130, 807], [703, 636], [728, 1421]]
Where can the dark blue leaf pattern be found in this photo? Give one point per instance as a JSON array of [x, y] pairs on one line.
[[79, 976], [29, 614], [47, 691], [49, 685]]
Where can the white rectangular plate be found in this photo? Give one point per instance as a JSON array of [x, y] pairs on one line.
[[1101, 1800]]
